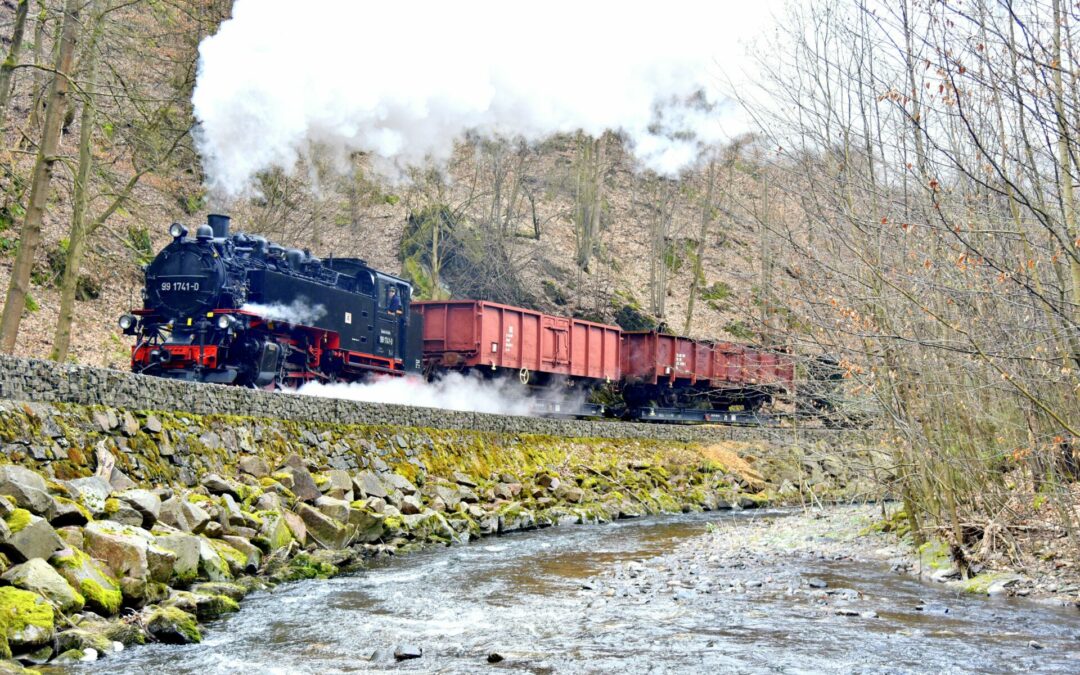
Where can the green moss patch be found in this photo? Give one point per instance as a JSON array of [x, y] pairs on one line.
[[18, 520], [173, 626], [25, 619], [303, 566]]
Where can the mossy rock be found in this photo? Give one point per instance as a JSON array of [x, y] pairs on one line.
[[173, 626], [234, 591], [205, 606], [100, 590], [981, 584], [27, 620], [89, 634], [236, 560], [934, 555], [18, 520], [303, 566], [126, 633], [215, 606]]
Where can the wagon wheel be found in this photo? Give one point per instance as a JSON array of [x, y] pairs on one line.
[[524, 375]]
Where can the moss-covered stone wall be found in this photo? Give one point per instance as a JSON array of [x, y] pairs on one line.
[[48, 382], [64, 440]]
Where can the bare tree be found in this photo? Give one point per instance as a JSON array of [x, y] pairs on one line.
[[928, 156], [151, 147], [7, 69], [30, 233]]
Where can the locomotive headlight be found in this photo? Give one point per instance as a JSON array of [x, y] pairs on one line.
[[224, 322], [127, 322], [176, 230]]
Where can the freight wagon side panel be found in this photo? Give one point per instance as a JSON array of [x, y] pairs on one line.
[[703, 361], [492, 351], [613, 353], [767, 368], [753, 366], [530, 341], [434, 336], [583, 363], [685, 358], [786, 372], [509, 337], [732, 370], [555, 345], [594, 351], [450, 332], [461, 328], [640, 363], [664, 353]]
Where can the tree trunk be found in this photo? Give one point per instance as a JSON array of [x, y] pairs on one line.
[[1065, 162], [7, 70], [38, 75], [588, 200], [699, 272], [436, 257], [80, 228], [30, 234]]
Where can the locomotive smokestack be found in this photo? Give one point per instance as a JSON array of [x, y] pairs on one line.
[[219, 224]]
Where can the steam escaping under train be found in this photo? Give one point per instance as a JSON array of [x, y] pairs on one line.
[[233, 308]]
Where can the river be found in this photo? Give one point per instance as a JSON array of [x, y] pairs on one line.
[[534, 600]]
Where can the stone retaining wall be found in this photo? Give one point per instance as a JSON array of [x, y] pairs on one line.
[[47, 382]]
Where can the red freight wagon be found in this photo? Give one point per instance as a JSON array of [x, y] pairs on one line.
[[535, 346], [677, 371]]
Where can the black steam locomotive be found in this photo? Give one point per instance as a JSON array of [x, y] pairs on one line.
[[238, 309]]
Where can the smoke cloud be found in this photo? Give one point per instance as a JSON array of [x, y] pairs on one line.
[[452, 391], [298, 312], [402, 80]]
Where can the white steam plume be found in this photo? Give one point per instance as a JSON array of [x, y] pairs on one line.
[[452, 391], [403, 80], [297, 312]]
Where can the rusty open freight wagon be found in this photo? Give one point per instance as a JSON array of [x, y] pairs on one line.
[[677, 372], [534, 347]]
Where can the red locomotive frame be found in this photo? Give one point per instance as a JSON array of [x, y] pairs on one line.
[[317, 348]]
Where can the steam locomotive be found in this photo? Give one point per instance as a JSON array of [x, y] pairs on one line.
[[233, 308], [237, 309]]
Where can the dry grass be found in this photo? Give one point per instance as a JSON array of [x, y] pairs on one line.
[[731, 455]]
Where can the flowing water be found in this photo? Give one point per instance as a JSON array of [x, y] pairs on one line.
[[532, 599]]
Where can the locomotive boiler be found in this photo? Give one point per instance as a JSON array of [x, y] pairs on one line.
[[233, 308]]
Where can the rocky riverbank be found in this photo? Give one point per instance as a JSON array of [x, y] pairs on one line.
[[837, 534], [118, 528]]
